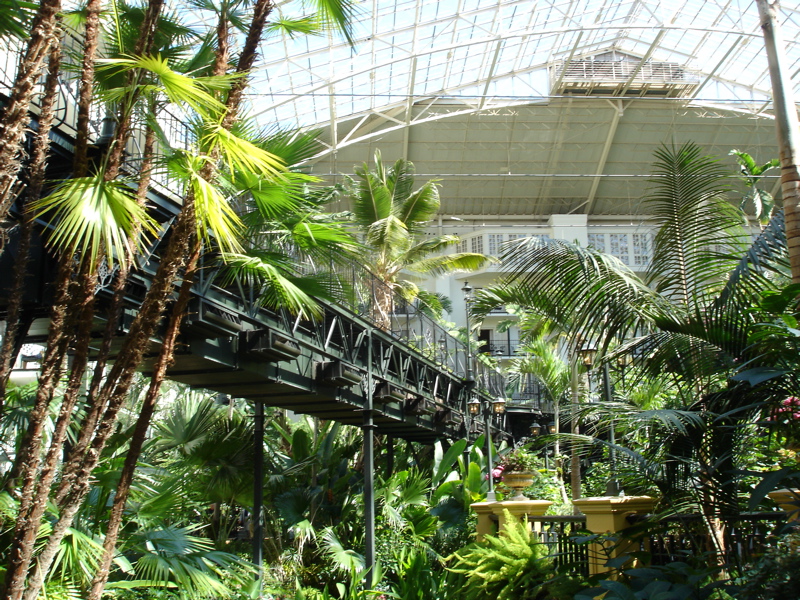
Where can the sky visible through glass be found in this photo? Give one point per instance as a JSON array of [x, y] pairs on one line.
[[495, 53]]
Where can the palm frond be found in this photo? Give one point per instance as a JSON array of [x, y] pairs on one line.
[[337, 15], [757, 269], [463, 262], [239, 153], [278, 289], [372, 200], [581, 289], [96, 218], [689, 207], [179, 88], [417, 209], [293, 27]]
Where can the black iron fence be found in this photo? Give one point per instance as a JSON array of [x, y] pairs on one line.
[[559, 534], [740, 538]]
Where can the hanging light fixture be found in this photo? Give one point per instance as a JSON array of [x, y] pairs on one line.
[[536, 429], [499, 405], [588, 354], [551, 428], [474, 406], [624, 360]]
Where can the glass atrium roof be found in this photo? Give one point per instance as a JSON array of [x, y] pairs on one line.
[[489, 53], [529, 107]]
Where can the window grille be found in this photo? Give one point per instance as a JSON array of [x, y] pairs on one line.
[[495, 243], [641, 249], [597, 241], [619, 246], [476, 244]]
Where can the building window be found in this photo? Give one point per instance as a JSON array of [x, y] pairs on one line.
[[597, 241], [641, 249], [461, 246], [495, 243], [476, 244], [619, 246]]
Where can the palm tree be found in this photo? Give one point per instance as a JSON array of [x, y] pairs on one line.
[[118, 241], [391, 219], [751, 173], [43, 35], [543, 364], [692, 318]]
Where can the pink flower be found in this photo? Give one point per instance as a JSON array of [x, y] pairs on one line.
[[498, 472]]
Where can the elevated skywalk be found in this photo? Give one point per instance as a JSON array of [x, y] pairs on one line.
[[412, 379]]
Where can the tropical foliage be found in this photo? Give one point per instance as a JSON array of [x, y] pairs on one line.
[[704, 327], [391, 219]]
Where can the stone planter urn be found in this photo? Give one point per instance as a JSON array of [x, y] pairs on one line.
[[518, 481]]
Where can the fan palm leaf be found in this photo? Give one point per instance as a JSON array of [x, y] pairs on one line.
[[95, 218], [278, 289]]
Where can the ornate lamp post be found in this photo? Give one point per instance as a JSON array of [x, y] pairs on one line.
[[495, 407], [588, 355]]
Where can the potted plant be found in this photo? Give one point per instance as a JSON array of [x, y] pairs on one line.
[[518, 467]]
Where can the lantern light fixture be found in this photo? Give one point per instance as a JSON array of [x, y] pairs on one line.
[[588, 354], [499, 405]]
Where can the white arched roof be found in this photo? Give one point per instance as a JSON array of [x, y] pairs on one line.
[[529, 106]]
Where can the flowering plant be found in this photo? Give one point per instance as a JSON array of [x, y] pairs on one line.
[[786, 421], [518, 459]]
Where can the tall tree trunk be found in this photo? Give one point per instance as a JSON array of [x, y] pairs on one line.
[[165, 359], [91, 39], [575, 462], [31, 505], [41, 147], [95, 431], [787, 128], [143, 45], [166, 355], [44, 33]]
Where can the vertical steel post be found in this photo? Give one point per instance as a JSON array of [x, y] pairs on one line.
[[490, 495], [258, 492], [469, 378], [369, 469], [613, 487]]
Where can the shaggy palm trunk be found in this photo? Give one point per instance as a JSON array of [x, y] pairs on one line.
[[110, 396], [787, 129], [166, 355], [76, 477], [382, 306], [116, 149], [41, 146], [91, 39], [44, 33], [165, 359], [34, 498]]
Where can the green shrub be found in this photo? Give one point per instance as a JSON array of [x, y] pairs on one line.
[[776, 576], [511, 566]]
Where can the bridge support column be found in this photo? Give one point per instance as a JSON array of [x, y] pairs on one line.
[[369, 471], [369, 492], [389, 456], [258, 492]]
